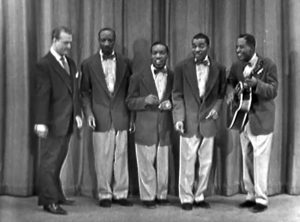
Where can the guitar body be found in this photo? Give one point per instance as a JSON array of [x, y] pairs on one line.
[[238, 109]]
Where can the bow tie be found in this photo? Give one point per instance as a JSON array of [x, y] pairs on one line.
[[106, 57], [163, 70], [203, 62]]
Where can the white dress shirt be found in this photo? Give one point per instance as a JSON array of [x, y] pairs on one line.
[[202, 76], [250, 66], [160, 80], [109, 69]]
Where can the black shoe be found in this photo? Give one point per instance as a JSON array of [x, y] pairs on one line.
[[66, 202], [258, 208], [54, 209], [247, 204], [149, 204], [187, 206], [202, 204], [162, 201], [123, 202], [105, 203]]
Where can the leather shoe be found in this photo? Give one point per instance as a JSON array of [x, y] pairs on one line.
[[187, 206], [54, 209], [123, 202], [149, 204], [67, 202], [247, 204], [202, 204], [258, 208], [105, 203]]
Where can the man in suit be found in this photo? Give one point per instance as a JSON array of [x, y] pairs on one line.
[[105, 77], [57, 108], [149, 96], [198, 91], [256, 137]]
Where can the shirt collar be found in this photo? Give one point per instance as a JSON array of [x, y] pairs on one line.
[[153, 68], [55, 54], [253, 60], [101, 54], [205, 59]]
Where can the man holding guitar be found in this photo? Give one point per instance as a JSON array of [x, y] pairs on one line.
[[259, 74]]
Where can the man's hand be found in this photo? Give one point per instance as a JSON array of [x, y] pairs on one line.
[[41, 130], [229, 97], [91, 122], [250, 82], [212, 114], [179, 126], [165, 105], [78, 121], [151, 100]]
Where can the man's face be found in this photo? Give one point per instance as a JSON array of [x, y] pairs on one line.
[[243, 50], [62, 45], [107, 42], [199, 48], [159, 56]]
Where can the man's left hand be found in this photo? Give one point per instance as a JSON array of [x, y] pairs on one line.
[[212, 114], [78, 121]]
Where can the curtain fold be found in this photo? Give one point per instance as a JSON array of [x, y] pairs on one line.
[[27, 37]]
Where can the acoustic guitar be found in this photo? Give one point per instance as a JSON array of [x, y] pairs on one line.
[[239, 107]]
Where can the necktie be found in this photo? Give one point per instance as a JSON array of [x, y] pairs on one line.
[[65, 64], [106, 57], [163, 70], [203, 62]]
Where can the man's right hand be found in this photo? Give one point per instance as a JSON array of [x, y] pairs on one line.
[[179, 126], [41, 130], [91, 122], [151, 100]]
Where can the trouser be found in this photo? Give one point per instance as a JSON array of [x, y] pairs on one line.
[[153, 171], [256, 157], [53, 152], [191, 150], [111, 164]]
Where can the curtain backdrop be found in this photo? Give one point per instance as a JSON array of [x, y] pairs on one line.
[[25, 29]]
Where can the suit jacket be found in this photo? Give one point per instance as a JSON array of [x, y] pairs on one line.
[[56, 95], [262, 113], [188, 106], [97, 101], [152, 125]]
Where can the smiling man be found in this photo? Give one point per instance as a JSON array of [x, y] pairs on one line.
[[256, 138], [149, 95], [199, 88]]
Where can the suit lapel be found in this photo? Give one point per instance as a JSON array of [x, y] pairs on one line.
[[148, 81], [212, 77], [169, 86], [61, 72], [120, 73], [191, 77], [98, 72]]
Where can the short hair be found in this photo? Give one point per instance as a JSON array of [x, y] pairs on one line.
[[250, 39], [107, 29], [201, 36], [56, 31], [159, 43]]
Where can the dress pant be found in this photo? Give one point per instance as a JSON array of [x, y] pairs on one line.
[[194, 149], [111, 163], [256, 157], [53, 152], [153, 171]]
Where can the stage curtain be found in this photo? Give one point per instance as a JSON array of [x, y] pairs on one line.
[[25, 30]]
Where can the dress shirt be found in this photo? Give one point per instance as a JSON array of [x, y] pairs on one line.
[[109, 69], [160, 80], [250, 66], [202, 76]]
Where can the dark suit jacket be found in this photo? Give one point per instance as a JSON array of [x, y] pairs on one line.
[[153, 126], [188, 106], [262, 113], [97, 101], [56, 95]]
